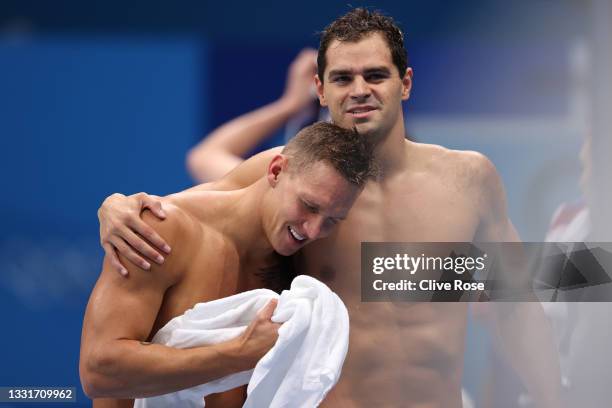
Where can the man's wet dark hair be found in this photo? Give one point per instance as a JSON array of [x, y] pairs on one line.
[[357, 24]]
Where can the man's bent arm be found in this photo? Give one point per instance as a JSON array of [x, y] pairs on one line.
[[121, 228], [225, 147], [223, 150], [243, 175], [524, 332], [116, 361]]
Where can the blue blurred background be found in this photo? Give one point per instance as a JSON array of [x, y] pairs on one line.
[[103, 97]]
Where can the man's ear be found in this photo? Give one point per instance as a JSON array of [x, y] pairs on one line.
[[320, 95], [407, 84], [277, 165]]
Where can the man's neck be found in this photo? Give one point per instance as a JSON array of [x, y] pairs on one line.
[[390, 151], [242, 222]]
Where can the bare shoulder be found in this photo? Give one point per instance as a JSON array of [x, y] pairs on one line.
[[179, 222], [197, 215], [478, 176], [477, 169], [198, 209], [470, 168], [181, 231]]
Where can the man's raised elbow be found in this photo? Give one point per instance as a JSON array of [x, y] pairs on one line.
[[196, 164], [192, 160]]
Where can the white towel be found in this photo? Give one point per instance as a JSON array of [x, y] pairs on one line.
[[300, 369]]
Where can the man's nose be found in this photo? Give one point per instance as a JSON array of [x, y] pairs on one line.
[[314, 226], [360, 88]]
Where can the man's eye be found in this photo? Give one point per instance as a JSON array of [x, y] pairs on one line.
[[332, 222], [342, 79], [375, 77], [310, 208]]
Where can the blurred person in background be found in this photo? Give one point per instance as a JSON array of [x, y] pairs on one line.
[[225, 147], [581, 329]]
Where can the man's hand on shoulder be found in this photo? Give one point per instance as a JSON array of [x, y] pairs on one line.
[[122, 230], [177, 225]]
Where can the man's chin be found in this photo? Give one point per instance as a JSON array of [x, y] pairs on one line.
[[362, 126], [366, 128]]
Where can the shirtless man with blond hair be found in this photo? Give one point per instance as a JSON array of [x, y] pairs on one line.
[[400, 354], [230, 242]]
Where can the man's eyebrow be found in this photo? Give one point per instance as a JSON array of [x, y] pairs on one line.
[[371, 70], [340, 72], [311, 202], [376, 70]]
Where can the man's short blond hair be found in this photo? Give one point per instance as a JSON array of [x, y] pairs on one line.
[[348, 152]]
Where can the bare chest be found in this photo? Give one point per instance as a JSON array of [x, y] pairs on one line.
[[412, 212], [215, 272], [405, 212]]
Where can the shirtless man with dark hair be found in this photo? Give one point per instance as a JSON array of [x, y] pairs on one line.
[[400, 354]]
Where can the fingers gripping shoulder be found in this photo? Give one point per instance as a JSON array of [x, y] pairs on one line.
[[177, 229]]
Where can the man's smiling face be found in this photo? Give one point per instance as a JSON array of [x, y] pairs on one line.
[[308, 204], [362, 87]]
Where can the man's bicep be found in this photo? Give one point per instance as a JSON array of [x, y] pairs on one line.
[[126, 307], [123, 308], [495, 225]]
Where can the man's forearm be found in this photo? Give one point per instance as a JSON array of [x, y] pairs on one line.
[[529, 346], [134, 369], [244, 175], [225, 148]]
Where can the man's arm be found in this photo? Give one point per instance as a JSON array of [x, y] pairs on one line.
[[225, 147], [122, 229], [243, 175], [521, 329], [117, 362]]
